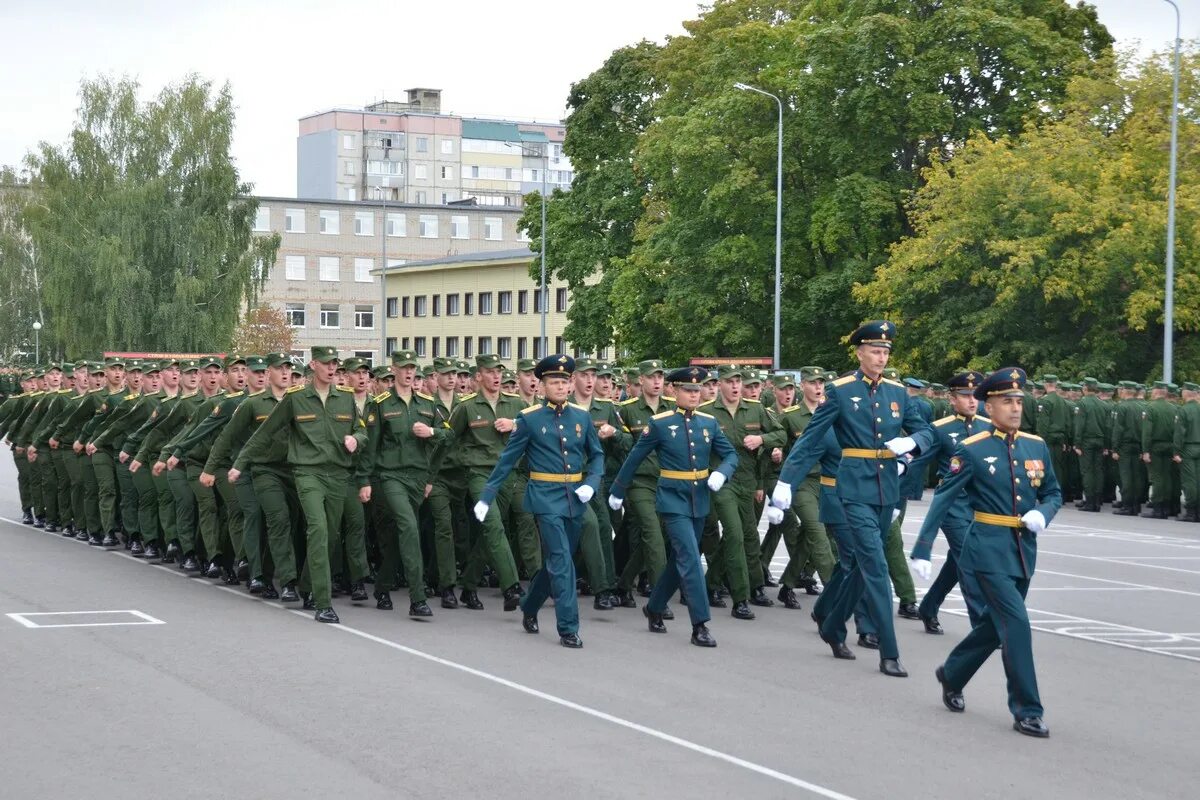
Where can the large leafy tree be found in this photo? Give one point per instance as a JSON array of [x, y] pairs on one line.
[[18, 270], [141, 223], [872, 90], [1047, 248]]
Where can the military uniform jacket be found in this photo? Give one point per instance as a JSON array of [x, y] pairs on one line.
[[1187, 430], [636, 414], [1004, 476], [248, 415], [129, 418], [948, 433], [562, 451], [1053, 419], [393, 447], [63, 409], [863, 415], [1158, 425], [1127, 424], [1090, 419], [112, 404], [748, 419], [206, 421], [793, 420], [71, 428], [830, 511], [686, 444], [48, 407], [315, 430], [604, 412], [165, 421], [473, 433]]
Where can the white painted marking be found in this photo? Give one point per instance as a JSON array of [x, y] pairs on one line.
[[23, 618]]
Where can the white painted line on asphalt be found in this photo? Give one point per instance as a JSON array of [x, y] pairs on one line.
[[23, 619], [1116, 582], [1118, 560]]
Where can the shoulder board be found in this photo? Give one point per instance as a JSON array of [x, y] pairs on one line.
[[983, 419], [844, 380], [294, 389], [465, 397], [581, 408], [65, 391], [702, 414], [256, 394], [379, 398], [96, 391], [943, 421], [132, 396], [709, 403], [510, 394], [979, 437], [530, 409], [663, 415], [238, 393], [601, 400], [891, 382], [345, 389], [791, 408], [423, 396], [748, 400], [628, 402], [1024, 435], [176, 397]]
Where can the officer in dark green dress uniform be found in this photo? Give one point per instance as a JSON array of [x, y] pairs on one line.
[[1009, 480], [684, 440], [566, 463]]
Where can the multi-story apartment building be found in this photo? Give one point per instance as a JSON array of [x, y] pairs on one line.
[[411, 152], [326, 279]]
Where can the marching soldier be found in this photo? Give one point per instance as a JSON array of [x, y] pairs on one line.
[[1127, 449], [1187, 451], [1053, 422], [1158, 438], [1090, 438]]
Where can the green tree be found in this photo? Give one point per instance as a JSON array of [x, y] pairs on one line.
[[18, 271], [141, 223], [1047, 249]]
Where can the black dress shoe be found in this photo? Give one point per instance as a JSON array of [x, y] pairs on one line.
[[243, 570], [840, 650], [868, 640], [309, 603], [654, 620], [269, 593], [383, 601], [110, 541], [714, 599], [126, 541], [601, 602], [189, 563], [512, 598], [812, 590], [570, 640], [627, 600], [759, 598], [152, 550], [1032, 726], [701, 637], [470, 599], [741, 611], [529, 623], [420, 609], [815, 617], [667, 613], [136, 550], [27, 517], [229, 577], [172, 552], [39, 522], [787, 596], [326, 615], [768, 580], [69, 531], [358, 592], [256, 586], [908, 611], [950, 699], [289, 594], [448, 599], [51, 527], [213, 570], [891, 667], [932, 625], [82, 535], [95, 541]]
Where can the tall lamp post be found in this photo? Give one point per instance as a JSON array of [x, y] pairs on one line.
[[1169, 304], [383, 353], [542, 286], [37, 342], [778, 211]]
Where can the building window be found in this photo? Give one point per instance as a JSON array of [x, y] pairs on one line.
[[351, 193], [523, 303], [366, 355], [451, 346], [293, 268], [420, 172], [348, 167], [447, 173], [293, 220], [404, 307], [452, 305], [468, 304], [364, 318], [445, 198], [485, 345], [493, 228], [391, 346], [539, 304], [459, 227], [422, 144], [522, 347], [437, 350], [396, 225], [429, 226], [329, 316], [384, 168], [419, 305], [559, 345], [392, 307], [262, 219], [504, 343], [329, 222], [537, 348], [467, 347], [421, 198], [560, 300], [485, 302], [362, 269], [437, 305], [295, 314], [504, 301], [419, 346], [329, 268], [347, 141], [447, 149], [364, 223]]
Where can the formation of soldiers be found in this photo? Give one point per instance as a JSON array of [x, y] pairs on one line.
[[306, 482]]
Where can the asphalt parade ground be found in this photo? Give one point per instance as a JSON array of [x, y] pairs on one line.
[[128, 679]]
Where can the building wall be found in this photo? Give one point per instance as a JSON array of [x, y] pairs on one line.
[[316, 163]]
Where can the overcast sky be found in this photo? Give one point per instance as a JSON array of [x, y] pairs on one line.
[[288, 58]]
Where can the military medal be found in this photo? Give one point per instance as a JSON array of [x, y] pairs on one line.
[[895, 410]]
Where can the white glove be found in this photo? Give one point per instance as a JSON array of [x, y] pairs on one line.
[[716, 481], [921, 568], [781, 497], [1034, 520], [901, 467], [895, 514], [481, 510], [615, 502], [774, 515], [900, 445], [584, 493]]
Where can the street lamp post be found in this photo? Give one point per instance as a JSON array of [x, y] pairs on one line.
[[37, 342], [778, 212], [383, 353], [1169, 303]]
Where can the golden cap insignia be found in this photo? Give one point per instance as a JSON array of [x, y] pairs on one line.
[[1014, 375]]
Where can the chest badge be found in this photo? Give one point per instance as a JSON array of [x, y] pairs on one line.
[[674, 429], [856, 401], [578, 430], [954, 437], [895, 410], [543, 430]]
